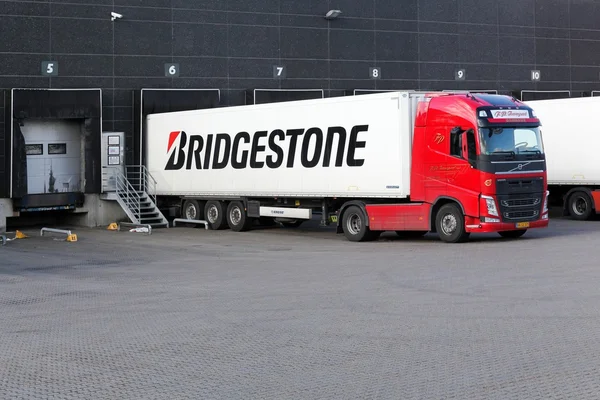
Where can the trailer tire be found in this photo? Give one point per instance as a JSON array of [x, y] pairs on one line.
[[214, 212], [355, 227], [512, 234], [450, 224], [237, 218], [192, 210], [580, 206]]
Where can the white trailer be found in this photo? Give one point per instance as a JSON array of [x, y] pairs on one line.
[[571, 145], [300, 152]]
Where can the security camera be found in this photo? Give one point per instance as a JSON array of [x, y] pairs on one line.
[[333, 14], [114, 15]]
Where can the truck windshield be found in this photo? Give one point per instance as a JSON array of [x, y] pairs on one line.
[[510, 141]]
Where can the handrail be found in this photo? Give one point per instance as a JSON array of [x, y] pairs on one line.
[[127, 193], [141, 177], [132, 183]]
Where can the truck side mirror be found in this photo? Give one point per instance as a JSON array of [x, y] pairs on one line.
[[456, 130]]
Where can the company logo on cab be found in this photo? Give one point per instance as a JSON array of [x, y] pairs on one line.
[[510, 114]]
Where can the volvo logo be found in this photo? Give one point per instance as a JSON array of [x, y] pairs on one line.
[[520, 167]]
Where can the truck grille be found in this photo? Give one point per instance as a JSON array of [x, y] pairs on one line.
[[521, 215], [529, 186], [520, 200], [532, 201]]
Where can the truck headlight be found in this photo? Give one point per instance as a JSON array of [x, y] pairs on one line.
[[546, 202], [490, 204]]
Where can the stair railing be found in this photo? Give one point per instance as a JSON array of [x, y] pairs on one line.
[[142, 180], [129, 196]]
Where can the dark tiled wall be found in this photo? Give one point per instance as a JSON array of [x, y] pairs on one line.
[[233, 44]]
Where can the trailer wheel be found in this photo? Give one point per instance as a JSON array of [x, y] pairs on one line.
[[580, 206], [214, 211], [237, 219], [512, 234], [450, 224], [354, 226], [192, 210]]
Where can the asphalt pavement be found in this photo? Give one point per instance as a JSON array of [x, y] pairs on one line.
[[300, 313]]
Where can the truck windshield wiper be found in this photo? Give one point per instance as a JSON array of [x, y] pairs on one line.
[[531, 151], [511, 153]]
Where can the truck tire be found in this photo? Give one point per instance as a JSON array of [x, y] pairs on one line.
[[450, 224], [214, 214], [579, 205], [237, 218], [513, 234], [354, 226]]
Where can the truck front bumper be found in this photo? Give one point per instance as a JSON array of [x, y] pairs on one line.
[[479, 226]]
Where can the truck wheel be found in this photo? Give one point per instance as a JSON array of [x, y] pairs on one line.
[[214, 211], [512, 234], [354, 226], [237, 219], [580, 206], [450, 224]]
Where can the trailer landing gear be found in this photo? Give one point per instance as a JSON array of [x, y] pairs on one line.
[[324, 215]]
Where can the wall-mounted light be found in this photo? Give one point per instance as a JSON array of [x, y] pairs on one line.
[[332, 14]]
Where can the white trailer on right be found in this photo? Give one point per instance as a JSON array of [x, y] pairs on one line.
[[571, 140]]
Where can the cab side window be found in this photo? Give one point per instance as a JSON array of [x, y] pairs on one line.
[[456, 142], [471, 146]]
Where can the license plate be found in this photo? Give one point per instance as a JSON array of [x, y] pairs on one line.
[[522, 224]]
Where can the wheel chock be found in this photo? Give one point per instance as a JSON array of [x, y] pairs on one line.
[[113, 227], [72, 238], [20, 235]]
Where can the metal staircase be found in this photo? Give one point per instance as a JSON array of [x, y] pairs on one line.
[[134, 190]]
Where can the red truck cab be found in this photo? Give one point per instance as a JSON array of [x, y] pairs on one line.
[[486, 153], [478, 165]]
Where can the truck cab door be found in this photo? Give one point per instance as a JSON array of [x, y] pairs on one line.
[[464, 182]]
